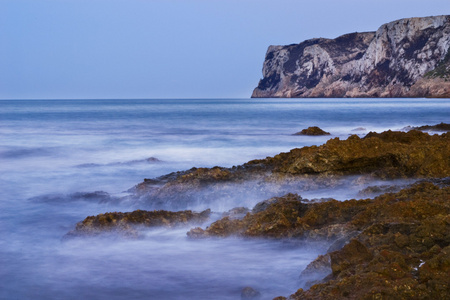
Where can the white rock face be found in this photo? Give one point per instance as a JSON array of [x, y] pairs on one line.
[[385, 63]]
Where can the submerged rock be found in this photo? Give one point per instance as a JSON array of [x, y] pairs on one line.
[[312, 131], [97, 196], [250, 293], [128, 224]]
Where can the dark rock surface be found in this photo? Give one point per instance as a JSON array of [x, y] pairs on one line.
[[387, 155], [128, 224], [438, 127], [404, 58], [397, 246], [314, 130], [250, 293], [394, 246]]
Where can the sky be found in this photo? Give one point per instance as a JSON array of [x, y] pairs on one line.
[[128, 49]]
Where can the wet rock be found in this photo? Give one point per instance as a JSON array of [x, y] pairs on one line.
[[354, 253], [236, 213], [250, 293], [394, 246], [438, 127], [128, 224], [96, 197], [376, 190], [314, 130], [290, 216], [316, 271], [387, 155], [263, 205], [401, 252]]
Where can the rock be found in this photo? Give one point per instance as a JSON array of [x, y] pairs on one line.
[[387, 155], [289, 216], [236, 213], [316, 271], [312, 131], [376, 190], [402, 250], [128, 224], [404, 58], [97, 196], [354, 253], [438, 127], [250, 293], [394, 246]]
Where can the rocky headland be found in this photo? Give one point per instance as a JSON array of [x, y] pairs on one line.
[[392, 246], [404, 58]]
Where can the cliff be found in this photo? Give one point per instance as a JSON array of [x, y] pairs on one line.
[[404, 58]]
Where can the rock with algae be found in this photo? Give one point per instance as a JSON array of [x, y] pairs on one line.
[[314, 130], [128, 224], [386, 155], [396, 246]]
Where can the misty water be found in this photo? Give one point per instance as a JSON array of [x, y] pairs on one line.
[[50, 150]]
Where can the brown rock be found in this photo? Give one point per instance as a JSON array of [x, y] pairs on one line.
[[128, 224], [312, 131]]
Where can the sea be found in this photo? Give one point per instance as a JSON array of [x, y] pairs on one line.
[[53, 151]]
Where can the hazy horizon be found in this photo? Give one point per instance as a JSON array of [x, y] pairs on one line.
[[167, 49]]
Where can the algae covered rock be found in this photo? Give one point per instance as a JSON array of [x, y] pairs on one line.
[[128, 224], [314, 130], [438, 127], [395, 246], [387, 155], [401, 252]]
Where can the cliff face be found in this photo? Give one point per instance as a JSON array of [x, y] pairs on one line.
[[404, 58]]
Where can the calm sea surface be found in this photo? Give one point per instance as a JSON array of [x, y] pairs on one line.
[[53, 148]]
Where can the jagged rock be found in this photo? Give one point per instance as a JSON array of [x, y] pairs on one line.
[[314, 130], [289, 216], [250, 293], [236, 213], [376, 190], [404, 58], [316, 271], [128, 224], [438, 127], [394, 246], [401, 252], [386, 155]]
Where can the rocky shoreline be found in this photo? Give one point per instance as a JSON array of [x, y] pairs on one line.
[[395, 245]]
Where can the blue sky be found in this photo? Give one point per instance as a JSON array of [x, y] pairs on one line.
[[67, 49]]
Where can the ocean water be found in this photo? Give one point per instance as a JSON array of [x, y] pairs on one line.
[[52, 149]]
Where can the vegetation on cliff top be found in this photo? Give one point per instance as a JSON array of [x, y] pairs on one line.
[[442, 70]]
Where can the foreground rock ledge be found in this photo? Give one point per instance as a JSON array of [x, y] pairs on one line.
[[396, 246]]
